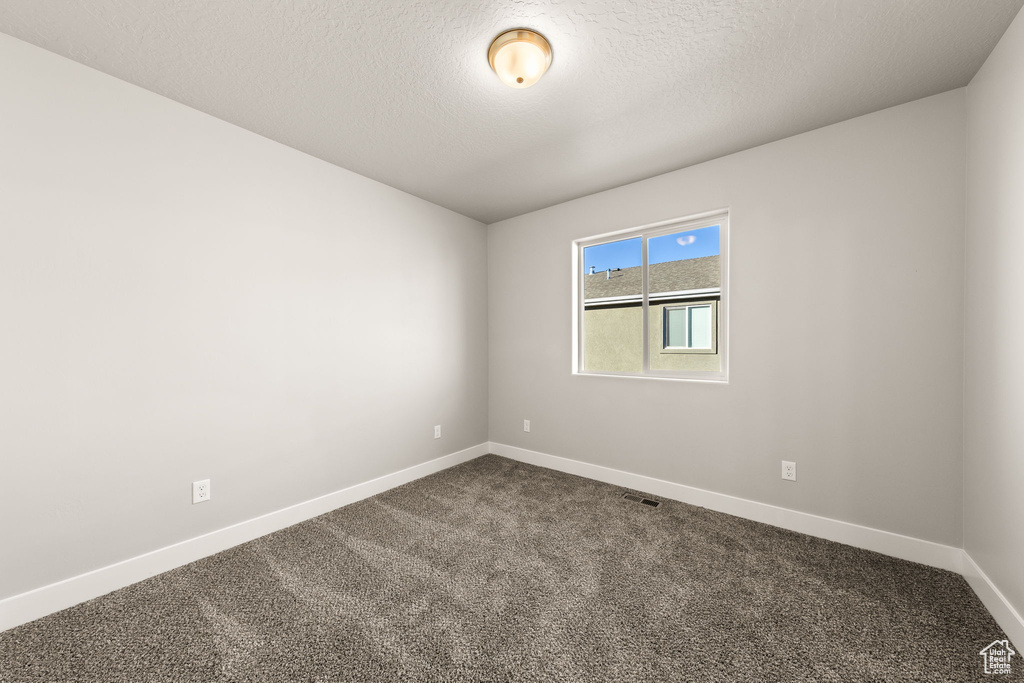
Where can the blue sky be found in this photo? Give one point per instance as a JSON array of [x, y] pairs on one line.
[[678, 246]]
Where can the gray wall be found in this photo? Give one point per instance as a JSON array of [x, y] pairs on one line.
[[858, 229], [182, 299], [994, 416]]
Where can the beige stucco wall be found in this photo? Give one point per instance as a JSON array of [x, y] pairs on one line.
[[613, 342], [679, 360]]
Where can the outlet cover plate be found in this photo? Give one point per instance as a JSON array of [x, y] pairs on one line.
[[788, 470], [200, 491], [526, 425], [437, 431]]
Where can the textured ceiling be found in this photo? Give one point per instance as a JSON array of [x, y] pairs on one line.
[[400, 90]]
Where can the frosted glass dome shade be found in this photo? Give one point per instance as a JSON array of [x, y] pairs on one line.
[[520, 57]]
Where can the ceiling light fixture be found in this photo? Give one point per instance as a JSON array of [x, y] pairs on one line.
[[520, 57]]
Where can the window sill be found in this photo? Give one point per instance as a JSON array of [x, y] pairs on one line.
[[679, 350], [706, 378]]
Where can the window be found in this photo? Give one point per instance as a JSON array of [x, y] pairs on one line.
[[651, 301], [688, 327]]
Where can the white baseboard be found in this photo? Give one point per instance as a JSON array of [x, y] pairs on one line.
[[1002, 611], [25, 607], [885, 542]]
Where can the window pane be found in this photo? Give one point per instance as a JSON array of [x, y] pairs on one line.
[[700, 327], [612, 307], [675, 325], [685, 276], [685, 261]]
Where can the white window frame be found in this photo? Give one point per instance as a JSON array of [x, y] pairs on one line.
[[646, 232], [710, 305]]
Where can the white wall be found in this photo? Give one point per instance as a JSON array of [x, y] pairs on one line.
[[994, 409], [182, 299], [846, 348]]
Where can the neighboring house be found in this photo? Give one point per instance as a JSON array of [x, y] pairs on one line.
[[683, 317]]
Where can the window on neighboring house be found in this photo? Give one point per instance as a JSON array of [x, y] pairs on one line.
[[651, 301], [688, 327]]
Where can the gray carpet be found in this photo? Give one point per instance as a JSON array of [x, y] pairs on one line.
[[499, 571]]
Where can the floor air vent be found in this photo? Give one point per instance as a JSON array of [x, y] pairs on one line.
[[640, 499]]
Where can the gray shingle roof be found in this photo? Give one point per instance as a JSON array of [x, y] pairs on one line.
[[673, 276]]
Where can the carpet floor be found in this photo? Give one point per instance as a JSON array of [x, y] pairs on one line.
[[499, 571]]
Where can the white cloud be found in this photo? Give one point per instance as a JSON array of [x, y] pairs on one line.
[[686, 240]]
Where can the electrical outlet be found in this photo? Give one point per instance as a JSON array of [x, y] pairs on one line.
[[526, 425], [200, 491], [437, 431], [789, 470]]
